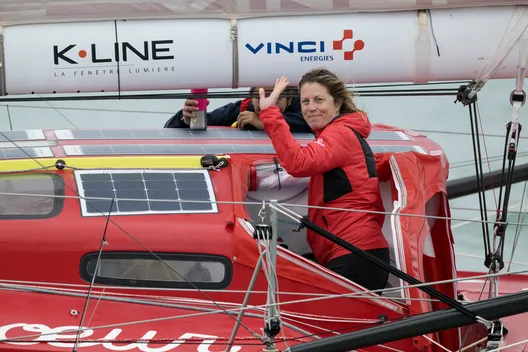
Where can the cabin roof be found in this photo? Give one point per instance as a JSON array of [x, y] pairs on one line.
[[49, 11], [170, 142]]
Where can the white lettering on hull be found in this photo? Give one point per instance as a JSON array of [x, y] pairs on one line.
[[48, 334]]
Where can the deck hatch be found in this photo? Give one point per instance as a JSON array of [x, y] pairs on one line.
[[185, 133], [187, 149], [145, 192]]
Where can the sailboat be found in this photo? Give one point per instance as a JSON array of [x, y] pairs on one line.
[[188, 240]]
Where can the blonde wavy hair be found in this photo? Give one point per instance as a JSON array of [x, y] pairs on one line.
[[336, 88]]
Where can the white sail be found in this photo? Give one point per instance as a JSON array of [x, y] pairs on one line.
[[181, 53]]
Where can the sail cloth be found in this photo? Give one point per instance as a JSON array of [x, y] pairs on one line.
[[24, 11]]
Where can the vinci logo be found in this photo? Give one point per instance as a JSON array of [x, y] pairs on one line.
[[316, 50], [151, 50]]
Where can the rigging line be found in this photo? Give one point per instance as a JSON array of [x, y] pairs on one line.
[[46, 285], [218, 341], [478, 116], [453, 303], [452, 132], [49, 284], [436, 343], [518, 228], [504, 157], [478, 299], [509, 346], [251, 203], [151, 112], [253, 307], [466, 163], [95, 308], [306, 334], [490, 212], [103, 241], [92, 109], [389, 213], [169, 299], [433, 32], [479, 257], [475, 209], [288, 315], [167, 342], [61, 114], [510, 151], [118, 62], [347, 295], [245, 203], [136, 322], [9, 117], [411, 84], [129, 235], [480, 182], [220, 95]]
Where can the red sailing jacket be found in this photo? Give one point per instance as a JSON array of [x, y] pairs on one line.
[[244, 104], [343, 175]]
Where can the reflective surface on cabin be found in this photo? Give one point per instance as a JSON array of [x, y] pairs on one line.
[[30, 196]]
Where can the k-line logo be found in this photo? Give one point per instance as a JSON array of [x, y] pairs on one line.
[[316, 49], [152, 50]]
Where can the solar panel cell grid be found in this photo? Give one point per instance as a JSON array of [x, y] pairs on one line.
[[145, 192]]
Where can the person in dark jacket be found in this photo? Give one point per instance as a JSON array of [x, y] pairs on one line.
[[342, 170], [244, 114]]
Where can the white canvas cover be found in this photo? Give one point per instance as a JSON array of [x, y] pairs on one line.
[[43, 11]]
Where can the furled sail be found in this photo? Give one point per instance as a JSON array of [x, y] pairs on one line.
[[239, 43], [33, 11]]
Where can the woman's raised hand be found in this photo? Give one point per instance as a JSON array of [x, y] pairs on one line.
[[266, 102]]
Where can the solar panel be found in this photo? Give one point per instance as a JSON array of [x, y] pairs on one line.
[[388, 136], [25, 153], [27, 135], [187, 149], [145, 192], [18, 144], [174, 133], [167, 149], [185, 133], [397, 148]]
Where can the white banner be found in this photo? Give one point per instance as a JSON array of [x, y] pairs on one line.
[[375, 47], [84, 57]]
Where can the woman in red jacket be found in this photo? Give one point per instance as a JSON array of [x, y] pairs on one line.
[[342, 170]]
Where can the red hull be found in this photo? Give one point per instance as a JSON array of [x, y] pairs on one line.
[[54, 249], [516, 325], [38, 314]]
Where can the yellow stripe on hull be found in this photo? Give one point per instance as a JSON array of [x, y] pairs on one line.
[[116, 162]]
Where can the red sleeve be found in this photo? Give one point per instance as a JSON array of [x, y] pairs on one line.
[[324, 154]]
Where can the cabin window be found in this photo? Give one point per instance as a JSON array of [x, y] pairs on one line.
[[145, 270], [30, 196]]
